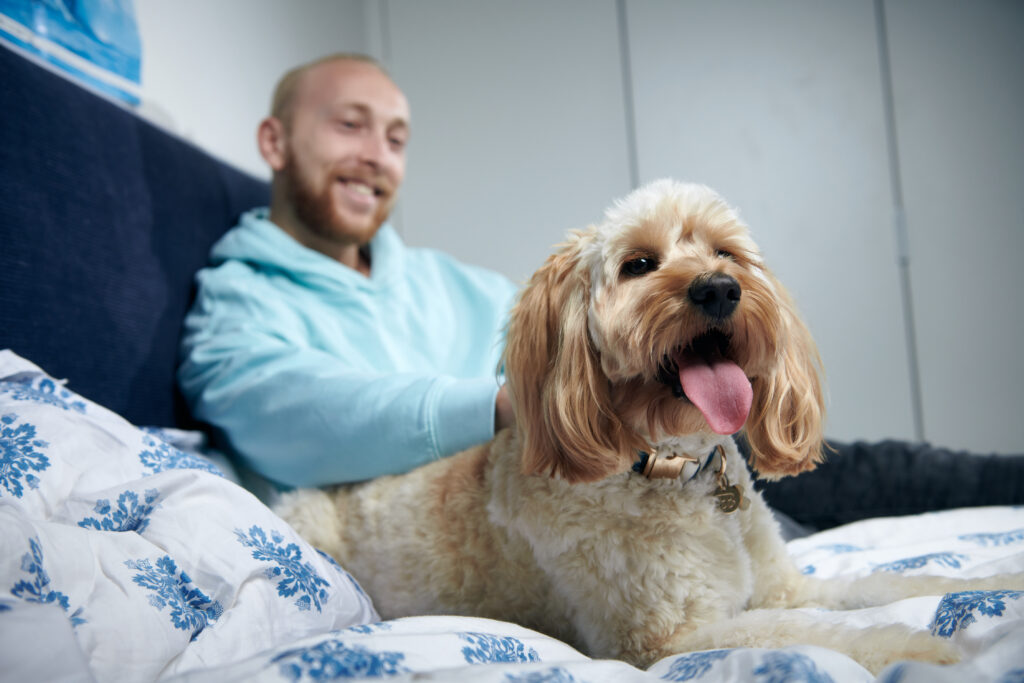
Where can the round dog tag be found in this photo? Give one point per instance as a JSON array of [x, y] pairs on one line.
[[730, 498]]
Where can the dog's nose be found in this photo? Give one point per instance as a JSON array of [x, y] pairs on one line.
[[717, 294]]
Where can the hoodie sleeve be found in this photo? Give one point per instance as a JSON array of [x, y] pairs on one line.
[[303, 417]]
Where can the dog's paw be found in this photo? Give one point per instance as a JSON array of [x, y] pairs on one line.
[[879, 647], [1011, 581], [997, 582]]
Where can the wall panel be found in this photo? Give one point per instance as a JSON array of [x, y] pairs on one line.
[[779, 106], [518, 124], [958, 80]]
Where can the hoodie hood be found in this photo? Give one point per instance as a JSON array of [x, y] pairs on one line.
[[263, 246]]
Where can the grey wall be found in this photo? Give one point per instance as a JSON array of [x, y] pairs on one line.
[[208, 68], [824, 122], [519, 126], [958, 74], [779, 106], [874, 146]]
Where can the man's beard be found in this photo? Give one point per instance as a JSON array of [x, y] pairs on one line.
[[317, 211]]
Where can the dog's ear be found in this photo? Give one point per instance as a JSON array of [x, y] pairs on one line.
[[561, 396], [786, 423]]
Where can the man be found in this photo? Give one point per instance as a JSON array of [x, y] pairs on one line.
[[326, 351], [321, 347]]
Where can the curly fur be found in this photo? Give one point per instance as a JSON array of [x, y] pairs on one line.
[[547, 525]]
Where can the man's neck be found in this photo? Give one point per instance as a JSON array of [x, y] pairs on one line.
[[361, 260], [355, 256]]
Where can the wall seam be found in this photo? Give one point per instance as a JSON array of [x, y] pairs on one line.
[[627, 94], [902, 237]]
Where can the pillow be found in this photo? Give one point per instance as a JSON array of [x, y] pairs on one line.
[[159, 563]]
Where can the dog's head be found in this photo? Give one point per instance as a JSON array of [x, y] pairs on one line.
[[662, 321]]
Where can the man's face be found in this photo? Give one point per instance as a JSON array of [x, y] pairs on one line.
[[344, 156]]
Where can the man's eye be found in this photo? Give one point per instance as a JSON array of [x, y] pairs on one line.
[[639, 266]]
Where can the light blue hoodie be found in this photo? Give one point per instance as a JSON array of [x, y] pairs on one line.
[[316, 374]]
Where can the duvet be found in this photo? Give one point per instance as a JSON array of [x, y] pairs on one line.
[[131, 554]]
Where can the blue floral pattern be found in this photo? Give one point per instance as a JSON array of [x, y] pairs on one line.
[[688, 667], [341, 570], [840, 548], [894, 674], [554, 675], [484, 648], [32, 387], [945, 559], [19, 456], [332, 659], [100, 490], [131, 514], [789, 667], [995, 539], [37, 588], [296, 576], [161, 456], [957, 610], [190, 608], [367, 629]]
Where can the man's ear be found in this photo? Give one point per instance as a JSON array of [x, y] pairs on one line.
[[270, 136]]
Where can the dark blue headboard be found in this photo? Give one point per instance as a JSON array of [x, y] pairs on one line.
[[104, 219]]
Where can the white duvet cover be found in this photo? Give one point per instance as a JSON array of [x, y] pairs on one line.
[[127, 556]]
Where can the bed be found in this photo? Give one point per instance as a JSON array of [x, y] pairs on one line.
[[128, 550]]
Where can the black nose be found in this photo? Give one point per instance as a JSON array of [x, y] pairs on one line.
[[717, 294]]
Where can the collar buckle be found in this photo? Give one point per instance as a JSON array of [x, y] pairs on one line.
[[654, 466]]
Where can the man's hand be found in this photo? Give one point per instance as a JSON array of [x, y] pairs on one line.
[[504, 416]]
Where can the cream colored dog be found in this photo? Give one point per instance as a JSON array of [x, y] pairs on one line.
[[617, 515]]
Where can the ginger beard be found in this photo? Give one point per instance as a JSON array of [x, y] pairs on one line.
[[322, 210]]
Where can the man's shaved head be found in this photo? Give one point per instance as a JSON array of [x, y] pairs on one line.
[[284, 93]]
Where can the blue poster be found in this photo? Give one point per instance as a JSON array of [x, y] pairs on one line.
[[94, 41]]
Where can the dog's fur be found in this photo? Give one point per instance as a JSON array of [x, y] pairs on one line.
[[548, 526]]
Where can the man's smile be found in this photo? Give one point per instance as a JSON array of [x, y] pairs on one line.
[[359, 193]]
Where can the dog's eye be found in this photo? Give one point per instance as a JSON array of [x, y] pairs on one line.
[[639, 266], [722, 253]]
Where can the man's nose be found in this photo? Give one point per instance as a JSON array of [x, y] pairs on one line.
[[373, 148]]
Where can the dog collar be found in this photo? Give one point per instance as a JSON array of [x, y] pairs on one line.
[[728, 495], [655, 466]]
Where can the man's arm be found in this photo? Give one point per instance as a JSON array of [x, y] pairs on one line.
[[302, 417]]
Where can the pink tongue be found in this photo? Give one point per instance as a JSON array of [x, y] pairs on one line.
[[720, 391]]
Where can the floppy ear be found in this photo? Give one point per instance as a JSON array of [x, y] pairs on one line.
[[786, 423], [561, 397]]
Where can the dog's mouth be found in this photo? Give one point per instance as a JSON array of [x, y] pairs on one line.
[[703, 373]]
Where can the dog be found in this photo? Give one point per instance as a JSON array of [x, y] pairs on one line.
[[618, 515]]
